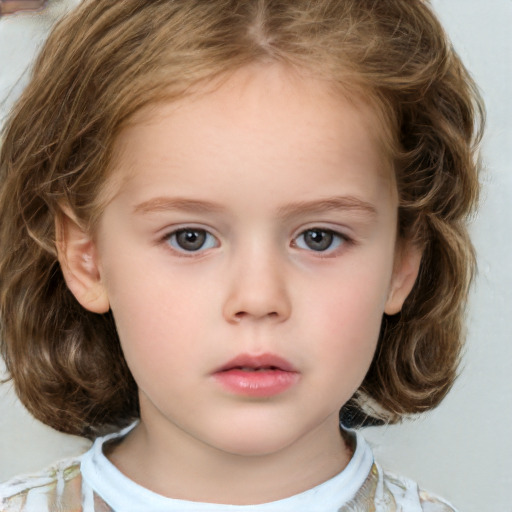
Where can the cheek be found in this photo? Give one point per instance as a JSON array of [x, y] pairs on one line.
[[349, 303], [351, 334], [153, 315], [346, 324]]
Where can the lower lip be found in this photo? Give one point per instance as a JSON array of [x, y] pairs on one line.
[[261, 383]]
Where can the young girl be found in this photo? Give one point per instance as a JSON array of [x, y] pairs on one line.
[[222, 222]]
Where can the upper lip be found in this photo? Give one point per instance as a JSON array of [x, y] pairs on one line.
[[270, 361]]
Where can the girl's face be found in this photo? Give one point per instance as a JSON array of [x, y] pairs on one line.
[[248, 258]]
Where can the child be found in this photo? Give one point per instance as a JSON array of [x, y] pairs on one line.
[[221, 222]]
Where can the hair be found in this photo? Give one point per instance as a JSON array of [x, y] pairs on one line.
[[107, 60]]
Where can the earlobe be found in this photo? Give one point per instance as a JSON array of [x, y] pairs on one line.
[[78, 260], [407, 266]]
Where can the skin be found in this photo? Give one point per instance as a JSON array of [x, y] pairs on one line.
[[12, 6], [255, 164]]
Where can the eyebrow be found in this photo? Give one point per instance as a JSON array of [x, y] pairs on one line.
[[163, 204], [336, 203]]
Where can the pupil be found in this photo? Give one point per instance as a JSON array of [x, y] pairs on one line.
[[191, 240], [318, 240]]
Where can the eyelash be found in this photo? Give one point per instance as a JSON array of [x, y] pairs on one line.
[[172, 240], [334, 238], [300, 242]]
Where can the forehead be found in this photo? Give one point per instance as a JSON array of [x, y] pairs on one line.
[[257, 108]]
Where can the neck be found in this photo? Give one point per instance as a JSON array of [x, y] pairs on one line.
[[173, 464]]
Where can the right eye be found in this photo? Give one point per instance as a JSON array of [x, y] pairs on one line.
[[191, 240]]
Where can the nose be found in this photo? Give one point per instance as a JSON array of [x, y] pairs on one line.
[[258, 289]]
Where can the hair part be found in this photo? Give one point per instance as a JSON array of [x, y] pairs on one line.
[[107, 60]]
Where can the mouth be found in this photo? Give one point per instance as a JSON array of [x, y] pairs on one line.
[[263, 362], [257, 376]]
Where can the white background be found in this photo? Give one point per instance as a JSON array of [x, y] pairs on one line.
[[462, 450]]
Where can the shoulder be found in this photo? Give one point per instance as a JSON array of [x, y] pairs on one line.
[[383, 491], [408, 496], [56, 488]]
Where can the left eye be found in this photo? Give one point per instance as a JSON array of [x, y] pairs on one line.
[[191, 240], [319, 240]]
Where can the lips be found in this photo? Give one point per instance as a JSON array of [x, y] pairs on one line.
[[264, 375], [255, 363]]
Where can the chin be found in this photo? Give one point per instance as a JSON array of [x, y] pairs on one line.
[[252, 448], [253, 442]]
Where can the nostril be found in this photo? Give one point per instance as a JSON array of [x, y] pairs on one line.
[[247, 301], [242, 314]]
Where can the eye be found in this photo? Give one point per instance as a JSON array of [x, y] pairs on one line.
[[191, 240], [319, 240]]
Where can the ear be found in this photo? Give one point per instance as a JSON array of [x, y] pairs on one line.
[[406, 268], [79, 263]]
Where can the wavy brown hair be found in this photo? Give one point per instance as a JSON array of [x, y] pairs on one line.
[[107, 60]]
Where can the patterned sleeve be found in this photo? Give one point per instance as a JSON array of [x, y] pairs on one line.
[[45, 492], [386, 492], [431, 503], [409, 496]]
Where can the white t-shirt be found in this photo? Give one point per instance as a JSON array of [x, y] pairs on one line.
[[91, 483]]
